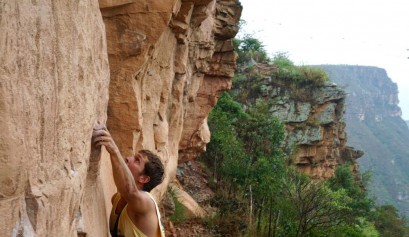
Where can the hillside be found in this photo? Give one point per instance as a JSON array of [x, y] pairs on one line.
[[374, 125], [280, 119]]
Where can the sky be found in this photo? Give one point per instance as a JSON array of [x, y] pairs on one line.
[[354, 32]]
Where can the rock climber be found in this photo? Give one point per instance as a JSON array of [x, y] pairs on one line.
[[134, 212]]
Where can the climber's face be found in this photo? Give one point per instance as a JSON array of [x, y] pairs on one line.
[[136, 165]]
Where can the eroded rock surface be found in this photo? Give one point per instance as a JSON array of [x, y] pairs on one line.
[[315, 129], [54, 80], [313, 117], [162, 64], [169, 62]]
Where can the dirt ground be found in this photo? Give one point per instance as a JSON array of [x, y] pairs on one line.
[[193, 177]]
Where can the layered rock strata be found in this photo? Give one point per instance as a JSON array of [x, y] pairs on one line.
[[315, 130], [313, 117], [169, 62], [162, 64]]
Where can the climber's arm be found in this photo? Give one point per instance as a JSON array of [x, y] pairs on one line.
[[123, 177]]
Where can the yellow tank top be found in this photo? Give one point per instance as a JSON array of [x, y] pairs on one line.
[[126, 227]]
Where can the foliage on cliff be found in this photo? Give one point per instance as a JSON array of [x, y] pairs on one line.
[[251, 51], [302, 76], [254, 66], [259, 194]]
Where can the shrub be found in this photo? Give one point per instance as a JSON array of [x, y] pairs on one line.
[[250, 49], [298, 75], [316, 76]]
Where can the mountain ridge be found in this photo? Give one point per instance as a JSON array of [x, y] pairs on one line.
[[374, 125]]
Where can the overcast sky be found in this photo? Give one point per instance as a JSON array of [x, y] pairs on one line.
[[355, 32]]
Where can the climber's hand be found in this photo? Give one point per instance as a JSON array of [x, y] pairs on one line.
[[101, 136]]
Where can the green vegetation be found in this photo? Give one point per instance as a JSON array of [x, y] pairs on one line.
[[298, 75], [178, 216], [388, 223], [257, 66], [250, 49], [258, 193], [381, 134]]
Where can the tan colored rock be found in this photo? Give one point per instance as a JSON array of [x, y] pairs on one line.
[[114, 3], [166, 75], [319, 158], [191, 208], [54, 79]]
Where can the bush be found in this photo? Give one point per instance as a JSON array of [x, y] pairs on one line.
[[389, 223], [299, 75], [250, 49], [316, 76]]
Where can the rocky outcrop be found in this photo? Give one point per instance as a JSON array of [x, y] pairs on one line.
[[165, 79], [313, 117], [316, 137], [374, 124], [162, 64]]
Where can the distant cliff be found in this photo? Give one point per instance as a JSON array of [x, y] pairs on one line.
[[374, 124], [315, 137]]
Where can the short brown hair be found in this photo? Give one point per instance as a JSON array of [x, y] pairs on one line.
[[154, 169]]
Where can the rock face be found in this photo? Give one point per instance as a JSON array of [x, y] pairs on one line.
[[54, 79], [151, 70], [315, 129], [165, 79], [374, 124], [313, 117]]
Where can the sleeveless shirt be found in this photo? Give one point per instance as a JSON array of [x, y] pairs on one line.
[[126, 227]]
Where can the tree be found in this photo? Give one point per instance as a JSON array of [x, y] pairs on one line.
[[245, 152], [225, 151], [389, 223], [249, 48], [316, 208], [360, 204]]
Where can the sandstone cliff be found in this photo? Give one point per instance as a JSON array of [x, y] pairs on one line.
[[151, 70], [313, 117]]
